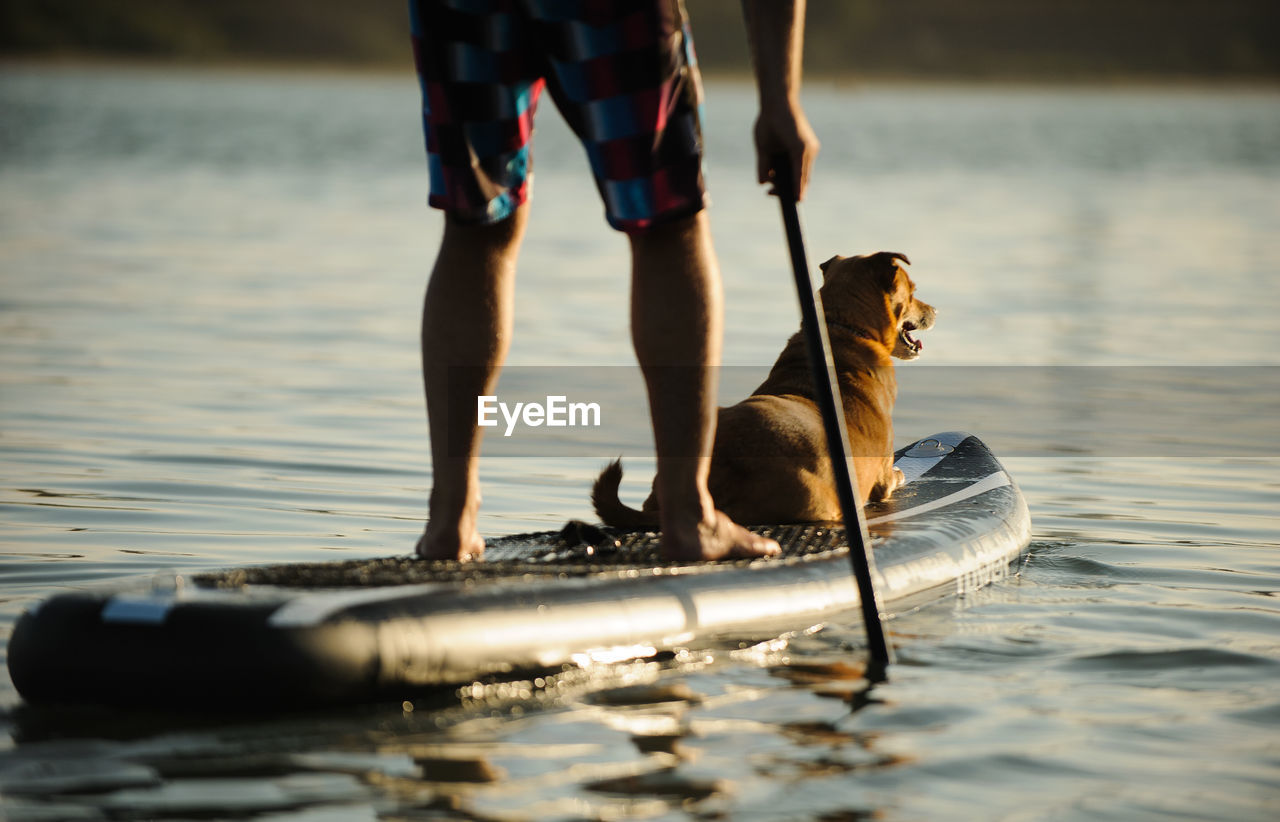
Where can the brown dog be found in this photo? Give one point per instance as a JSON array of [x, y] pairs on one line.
[[770, 462]]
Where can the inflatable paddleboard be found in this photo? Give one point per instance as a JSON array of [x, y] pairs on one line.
[[362, 630]]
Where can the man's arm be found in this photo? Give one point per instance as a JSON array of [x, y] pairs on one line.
[[775, 29]]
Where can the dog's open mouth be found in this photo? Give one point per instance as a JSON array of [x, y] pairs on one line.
[[909, 341]]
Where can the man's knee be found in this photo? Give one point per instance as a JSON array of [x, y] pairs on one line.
[[498, 237], [686, 235]]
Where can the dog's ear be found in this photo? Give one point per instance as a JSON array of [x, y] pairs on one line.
[[886, 267], [827, 264]]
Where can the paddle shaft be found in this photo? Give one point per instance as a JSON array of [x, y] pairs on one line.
[[827, 395]]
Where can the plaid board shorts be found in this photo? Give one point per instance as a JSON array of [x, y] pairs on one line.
[[622, 72]]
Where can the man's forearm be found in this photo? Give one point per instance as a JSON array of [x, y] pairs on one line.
[[782, 132], [775, 31]]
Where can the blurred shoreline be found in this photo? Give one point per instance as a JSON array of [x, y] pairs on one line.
[[1093, 42], [80, 61]]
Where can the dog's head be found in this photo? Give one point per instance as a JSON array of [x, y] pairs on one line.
[[873, 295]]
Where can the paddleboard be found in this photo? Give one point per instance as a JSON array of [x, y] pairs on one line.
[[364, 630]]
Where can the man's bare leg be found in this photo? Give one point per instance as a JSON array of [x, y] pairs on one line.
[[677, 324], [467, 319]]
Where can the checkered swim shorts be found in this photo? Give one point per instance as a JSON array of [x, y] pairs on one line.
[[623, 75]]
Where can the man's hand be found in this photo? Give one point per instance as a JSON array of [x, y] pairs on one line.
[[782, 133]]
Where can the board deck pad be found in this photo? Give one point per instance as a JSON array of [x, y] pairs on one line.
[[584, 549], [356, 630]]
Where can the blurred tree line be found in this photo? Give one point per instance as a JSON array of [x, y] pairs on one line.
[[1005, 39]]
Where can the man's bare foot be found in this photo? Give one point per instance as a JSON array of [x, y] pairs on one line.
[[720, 539], [440, 544]]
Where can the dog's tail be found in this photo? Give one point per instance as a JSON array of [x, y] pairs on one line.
[[604, 498]]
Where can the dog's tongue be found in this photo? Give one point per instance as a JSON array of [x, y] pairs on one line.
[[912, 341]]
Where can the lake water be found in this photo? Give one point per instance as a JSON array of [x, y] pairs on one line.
[[209, 307]]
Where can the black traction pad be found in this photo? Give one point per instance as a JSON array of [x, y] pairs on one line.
[[577, 550]]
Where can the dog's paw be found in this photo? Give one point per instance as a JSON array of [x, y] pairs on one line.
[[884, 489]]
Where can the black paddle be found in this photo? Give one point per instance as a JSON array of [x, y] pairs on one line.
[[827, 395]]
